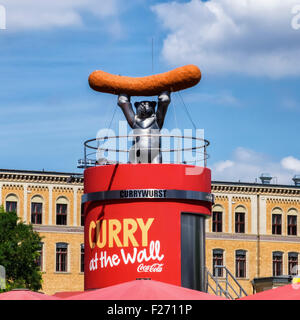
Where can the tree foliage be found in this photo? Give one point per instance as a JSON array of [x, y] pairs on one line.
[[19, 250]]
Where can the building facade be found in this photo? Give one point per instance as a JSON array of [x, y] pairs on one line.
[[52, 203], [253, 230]]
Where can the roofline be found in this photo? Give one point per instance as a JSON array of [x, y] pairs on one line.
[[253, 184], [214, 182], [41, 176], [38, 172]]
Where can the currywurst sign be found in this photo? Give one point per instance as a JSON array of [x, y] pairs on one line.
[[143, 193], [147, 194]]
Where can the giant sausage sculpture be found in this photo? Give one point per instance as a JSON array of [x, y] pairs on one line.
[[171, 81]]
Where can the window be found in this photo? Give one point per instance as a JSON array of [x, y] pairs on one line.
[[11, 206], [292, 225], [39, 260], [36, 210], [61, 211], [61, 214], [82, 258], [293, 263], [82, 215], [240, 222], [61, 257], [218, 261], [11, 203], [277, 263], [240, 264], [217, 221], [292, 222], [276, 223]]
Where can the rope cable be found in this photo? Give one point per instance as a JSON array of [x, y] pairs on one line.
[[110, 123], [112, 117], [174, 112], [187, 111]]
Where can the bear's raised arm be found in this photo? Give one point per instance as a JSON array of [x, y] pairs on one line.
[[164, 100], [126, 106]]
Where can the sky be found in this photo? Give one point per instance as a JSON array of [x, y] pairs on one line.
[[247, 102]]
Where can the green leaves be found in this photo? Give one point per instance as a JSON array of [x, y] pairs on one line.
[[19, 246]]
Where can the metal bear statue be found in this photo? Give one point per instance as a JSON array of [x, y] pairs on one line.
[[146, 125]]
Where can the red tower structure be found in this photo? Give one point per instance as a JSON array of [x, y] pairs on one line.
[[145, 217], [146, 221]]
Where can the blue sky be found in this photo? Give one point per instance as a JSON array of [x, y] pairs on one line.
[[247, 101]]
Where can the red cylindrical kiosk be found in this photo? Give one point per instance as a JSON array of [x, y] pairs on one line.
[[145, 221]]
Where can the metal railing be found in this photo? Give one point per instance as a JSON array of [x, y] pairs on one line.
[[223, 285], [129, 149], [218, 291]]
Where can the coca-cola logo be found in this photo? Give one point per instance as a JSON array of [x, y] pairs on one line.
[[156, 267]]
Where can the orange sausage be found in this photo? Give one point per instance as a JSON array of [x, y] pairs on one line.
[[174, 80]]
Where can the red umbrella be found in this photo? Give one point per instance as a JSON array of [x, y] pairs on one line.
[[25, 294], [287, 292], [144, 290]]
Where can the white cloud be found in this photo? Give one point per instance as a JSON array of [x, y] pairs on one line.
[[45, 14], [247, 165], [291, 163], [253, 37], [221, 166]]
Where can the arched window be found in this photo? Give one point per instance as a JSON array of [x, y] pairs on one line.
[[240, 263], [277, 221], [217, 218], [218, 260], [292, 222], [61, 257], [240, 219], [11, 203], [62, 211], [277, 258], [36, 209]]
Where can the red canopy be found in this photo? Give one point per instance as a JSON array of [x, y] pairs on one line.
[[287, 292], [144, 290], [25, 294]]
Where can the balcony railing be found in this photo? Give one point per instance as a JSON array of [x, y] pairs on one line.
[[145, 148]]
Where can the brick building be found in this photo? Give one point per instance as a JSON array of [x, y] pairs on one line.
[[51, 201], [253, 230]]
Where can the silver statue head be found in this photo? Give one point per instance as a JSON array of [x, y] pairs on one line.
[[145, 109]]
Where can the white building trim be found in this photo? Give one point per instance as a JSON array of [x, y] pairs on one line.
[[75, 189], [50, 205], [253, 214]]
